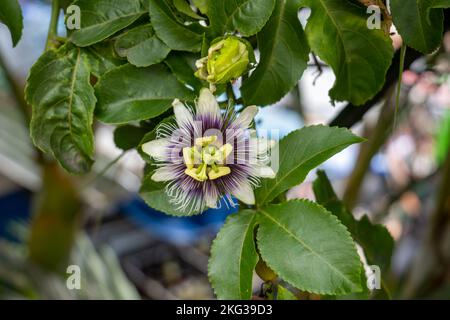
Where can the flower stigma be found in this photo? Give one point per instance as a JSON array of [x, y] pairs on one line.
[[206, 160]]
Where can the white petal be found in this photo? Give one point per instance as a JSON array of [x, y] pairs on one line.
[[261, 146], [245, 193], [265, 172], [156, 148], [163, 174], [247, 115], [207, 103], [211, 201], [182, 114]]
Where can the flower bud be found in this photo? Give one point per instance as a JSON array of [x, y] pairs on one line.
[[227, 60]]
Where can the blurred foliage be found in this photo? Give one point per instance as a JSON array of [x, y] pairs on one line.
[[101, 274]]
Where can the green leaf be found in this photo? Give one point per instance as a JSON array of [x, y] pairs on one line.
[[101, 19], [285, 294], [234, 257], [156, 197], [420, 22], [101, 58], [308, 247], [182, 66], [129, 93], [173, 32], [184, 7], [128, 137], [202, 5], [284, 56], [337, 32], [246, 16], [300, 152], [443, 138], [11, 16], [376, 240], [141, 46], [63, 102]]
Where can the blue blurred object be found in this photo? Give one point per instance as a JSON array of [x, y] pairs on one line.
[[176, 230], [14, 206]]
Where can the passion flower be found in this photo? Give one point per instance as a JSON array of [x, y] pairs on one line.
[[209, 155]]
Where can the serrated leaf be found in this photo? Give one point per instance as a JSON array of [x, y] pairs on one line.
[[141, 46], [234, 257], [376, 240], [129, 93], [245, 16], [308, 247], [182, 66], [156, 197], [173, 32], [63, 101], [101, 19], [420, 22], [101, 58], [300, 152], [11, 16], [284, 56], [337, 32]]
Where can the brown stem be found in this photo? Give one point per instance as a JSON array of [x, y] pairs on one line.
[[376, 139]]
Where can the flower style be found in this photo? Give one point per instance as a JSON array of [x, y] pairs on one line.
[[209, 155]]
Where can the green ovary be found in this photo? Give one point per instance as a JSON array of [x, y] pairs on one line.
[[206, 160]]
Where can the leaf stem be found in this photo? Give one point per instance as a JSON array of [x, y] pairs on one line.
[[105, 169], [53, 28], [230, 93]]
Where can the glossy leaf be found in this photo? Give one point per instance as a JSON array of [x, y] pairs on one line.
[[63, 102], [246, 16], [101, 58], [300, 152], [184, 7], [337, 32], [11, 16], [233, 257], [101, 19], [420, 22], [141, 46], [308, 247], [128, 137], [284, 56], [173, 32], [375, 239], [182, 66], [156, 197], [202, 5], [129, 93]]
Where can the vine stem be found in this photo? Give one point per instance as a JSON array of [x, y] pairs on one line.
[[53, 28], [104, 170]]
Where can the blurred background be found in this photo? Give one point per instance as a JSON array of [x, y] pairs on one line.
[[126, 250]]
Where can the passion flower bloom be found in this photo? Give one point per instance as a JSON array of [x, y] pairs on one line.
[[209, 155]]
